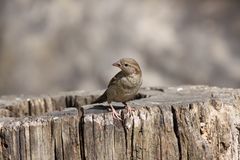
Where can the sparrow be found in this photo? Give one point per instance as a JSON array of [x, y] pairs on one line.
[[123, 86]]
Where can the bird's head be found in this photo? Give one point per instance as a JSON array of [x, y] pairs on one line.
[[128, 66]]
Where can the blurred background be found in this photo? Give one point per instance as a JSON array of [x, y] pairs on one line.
[[50, 46]]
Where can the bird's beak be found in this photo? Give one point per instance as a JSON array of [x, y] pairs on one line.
[[117, 64]]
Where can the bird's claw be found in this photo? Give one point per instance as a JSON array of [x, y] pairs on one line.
[[129, 111], [116, 115]]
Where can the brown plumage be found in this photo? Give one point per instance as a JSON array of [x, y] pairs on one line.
[[124, 85]]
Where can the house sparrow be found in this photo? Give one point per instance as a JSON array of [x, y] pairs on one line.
[[123, 86]]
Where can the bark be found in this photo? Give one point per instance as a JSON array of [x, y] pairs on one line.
[[186, 122]]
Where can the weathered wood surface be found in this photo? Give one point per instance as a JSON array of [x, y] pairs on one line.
[[187, 122]]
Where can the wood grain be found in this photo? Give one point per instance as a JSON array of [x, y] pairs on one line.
[[185, 122]]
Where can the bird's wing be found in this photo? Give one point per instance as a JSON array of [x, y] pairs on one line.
[[101, 99], [113, 81], [116, 78]]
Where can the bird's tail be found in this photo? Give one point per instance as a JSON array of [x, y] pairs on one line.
[[101, 99]]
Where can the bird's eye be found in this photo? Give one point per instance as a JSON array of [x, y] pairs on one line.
[[125, 64]]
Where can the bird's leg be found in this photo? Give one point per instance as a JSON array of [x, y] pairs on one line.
[[129, 109], [114, 113]]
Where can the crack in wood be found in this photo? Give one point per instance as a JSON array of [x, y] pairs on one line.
[[126, 138], [176, 131], [81, 137]]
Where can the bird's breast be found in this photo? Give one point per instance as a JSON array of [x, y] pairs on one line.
[[132, 81], [125, 89]]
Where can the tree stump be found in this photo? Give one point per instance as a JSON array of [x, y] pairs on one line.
[[186, 122]]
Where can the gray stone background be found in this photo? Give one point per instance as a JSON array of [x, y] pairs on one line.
[[58, 45]]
